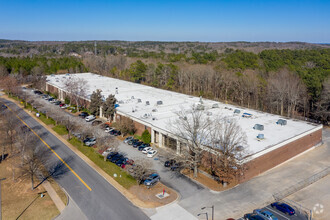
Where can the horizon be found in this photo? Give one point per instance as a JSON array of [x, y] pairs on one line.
[[167, 21]]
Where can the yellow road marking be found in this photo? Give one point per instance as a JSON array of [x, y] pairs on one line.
[[50, 149]]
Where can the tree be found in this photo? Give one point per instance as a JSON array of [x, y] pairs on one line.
[[76, 88], [34, 159], [146, 137], [141, 170], [192, 127], [126, 126], [70, 124], [137, 71], [228, 143], [109, 107], [96, 102]]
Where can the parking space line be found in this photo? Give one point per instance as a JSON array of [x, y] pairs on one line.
[[50, 149], [277, 213]]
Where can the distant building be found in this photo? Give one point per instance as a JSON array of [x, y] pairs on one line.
[[269, 142]]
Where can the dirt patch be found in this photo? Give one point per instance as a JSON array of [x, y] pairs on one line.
[[148, 196], [17, 196], [208, 182]]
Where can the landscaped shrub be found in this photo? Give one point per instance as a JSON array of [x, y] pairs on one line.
[[146, 137]]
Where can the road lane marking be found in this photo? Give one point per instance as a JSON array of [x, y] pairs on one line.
[[277, 213], [50, 149]]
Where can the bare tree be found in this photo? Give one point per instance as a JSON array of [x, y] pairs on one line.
[[192, 127], [227, 143], [76, 89], [125, 125], [70, 124], [141, 170], [33, 161]]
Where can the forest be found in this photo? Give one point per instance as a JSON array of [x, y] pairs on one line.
[[288, 82]]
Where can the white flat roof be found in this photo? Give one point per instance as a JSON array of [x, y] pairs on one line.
[[173, 102]]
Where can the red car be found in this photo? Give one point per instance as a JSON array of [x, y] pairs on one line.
[[62, 104]]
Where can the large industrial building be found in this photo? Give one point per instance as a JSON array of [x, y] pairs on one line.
[[269, 143]]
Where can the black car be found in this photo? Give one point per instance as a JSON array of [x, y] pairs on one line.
[[142, 146], [83, 114], [176, 166], [116, 158], [137, 144], [57, 103], [133, 141], [37, 92], [4, 107], [116, 133], [121, 161], [111, 155], [169, 163]]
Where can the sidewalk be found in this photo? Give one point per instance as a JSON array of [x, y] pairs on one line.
[[53, 195]]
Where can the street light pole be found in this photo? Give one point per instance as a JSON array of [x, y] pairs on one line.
[[212, 207], [0, 199]]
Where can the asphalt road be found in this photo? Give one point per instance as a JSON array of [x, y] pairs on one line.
[[103, 201]]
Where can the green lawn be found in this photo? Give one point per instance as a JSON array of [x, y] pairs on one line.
[[125, 180], [47, 121], [60, 129]]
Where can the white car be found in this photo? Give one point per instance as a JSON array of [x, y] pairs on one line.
[[146, 150], [107, 151], [108, 129], [65, 106], [151, 153], [90, 118]]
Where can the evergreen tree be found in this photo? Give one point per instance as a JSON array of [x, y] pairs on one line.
[[146, 137], [109, 107], [96, 102]]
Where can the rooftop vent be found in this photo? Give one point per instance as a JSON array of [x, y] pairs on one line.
[[132, 97], [209, 113], [145, 116], [200, 99], [281, 122], [159, 102], [246, 115], [121, 102], [154, 110], [215, 105], [261, 136], [154, 118], [237, 111], [116, 90], [139, 100], [147, 103], [258, 127]]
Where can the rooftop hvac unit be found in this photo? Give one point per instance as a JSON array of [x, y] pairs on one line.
[[154, 110], [261, 136], [154, 118], [159, 102], [139, 100], [237, 111], [258, 127], [209, 113], [281, 122], [147, 103], [215, 105], [200, 107], [247, 115], [116, 90], [132, 97]]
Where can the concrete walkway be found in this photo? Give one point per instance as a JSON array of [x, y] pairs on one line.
[[172, 212], [72, 212], [54, 196]]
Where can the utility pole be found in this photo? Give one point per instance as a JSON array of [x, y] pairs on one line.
[[0, 199], [95, 48]]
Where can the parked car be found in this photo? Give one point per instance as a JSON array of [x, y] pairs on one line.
[[252, 216], [152, 179], [128, 139], [151, 153], [285, 208], [107, 151], [76, 134], [61, 104], [265, 214], [65, 106], [117, 133], [146, 150], [121, 161], [176, 166], [83, 114], [90, 118], [46, 97], [57, 103], [108, 129], [169, 163], [111, 155], [50, 99], [137, 144], [132, 142], [37, 92], [53, 101], [90, 142], [4, 107], [116, 158]]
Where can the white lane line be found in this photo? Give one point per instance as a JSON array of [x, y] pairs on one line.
[[277, 213]]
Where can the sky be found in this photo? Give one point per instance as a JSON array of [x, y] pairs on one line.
[[157, 20]]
